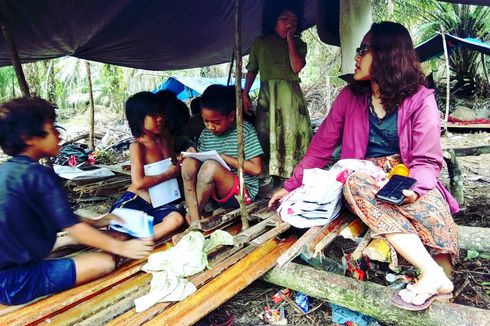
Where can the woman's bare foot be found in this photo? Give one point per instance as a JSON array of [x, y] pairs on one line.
[[430, 283]]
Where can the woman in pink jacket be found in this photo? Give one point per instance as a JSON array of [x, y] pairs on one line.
[[388, 116]]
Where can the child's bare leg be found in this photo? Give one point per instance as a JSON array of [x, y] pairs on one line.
[[190, 168], [170, 223], [213, 177], [94, 265]]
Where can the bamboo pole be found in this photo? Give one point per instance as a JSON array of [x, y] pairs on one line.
[[446, 58], [14, 55], [239, 111], [370, 298], [91, 127]]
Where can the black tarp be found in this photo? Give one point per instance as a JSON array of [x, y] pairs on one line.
[[145, 34]]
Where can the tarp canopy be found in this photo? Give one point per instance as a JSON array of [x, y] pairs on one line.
[[434, 47], [189, 87], [145, 34]]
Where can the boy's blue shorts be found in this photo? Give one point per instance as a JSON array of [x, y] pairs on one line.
[[24, 283], [133, 201]]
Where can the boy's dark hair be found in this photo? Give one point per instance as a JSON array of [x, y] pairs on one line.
[[138, 106], [196, 105], [272, 9], [21, 119], [219, 98]]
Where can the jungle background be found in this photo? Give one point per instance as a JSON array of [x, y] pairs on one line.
[[64, 81]]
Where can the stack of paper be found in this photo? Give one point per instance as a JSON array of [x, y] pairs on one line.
[[165, 192]]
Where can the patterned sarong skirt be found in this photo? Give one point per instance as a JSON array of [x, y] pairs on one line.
[[428, 217]]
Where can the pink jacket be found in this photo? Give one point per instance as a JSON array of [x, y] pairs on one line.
[[418, 133]]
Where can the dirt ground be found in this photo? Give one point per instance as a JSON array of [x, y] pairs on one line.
[[471, 277]]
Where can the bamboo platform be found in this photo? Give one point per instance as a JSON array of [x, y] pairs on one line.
[[257, 250], [110, 299]]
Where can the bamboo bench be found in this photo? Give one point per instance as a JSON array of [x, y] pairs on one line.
[[110, 298]]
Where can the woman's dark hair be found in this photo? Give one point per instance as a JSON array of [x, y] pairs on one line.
[[395, 67], [138, 106], [272, 9], [219, 98], [21, 119]]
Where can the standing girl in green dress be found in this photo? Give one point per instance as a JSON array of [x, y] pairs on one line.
[[282, 120]]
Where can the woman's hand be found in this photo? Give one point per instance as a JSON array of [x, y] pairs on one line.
[[410, 196], [277, 197]]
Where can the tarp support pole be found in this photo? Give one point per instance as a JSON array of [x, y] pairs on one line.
[[230, 71], [91, 127], [446, 58], [239, 111], [485, 72], [9, 41]]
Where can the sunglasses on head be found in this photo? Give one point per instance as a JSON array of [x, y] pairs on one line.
[[360, 51]]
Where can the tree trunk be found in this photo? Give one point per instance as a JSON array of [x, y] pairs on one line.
[[91, 127], [370, 299], [355, 20], [474, 238]]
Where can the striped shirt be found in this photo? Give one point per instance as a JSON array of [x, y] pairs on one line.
[[228, 144]]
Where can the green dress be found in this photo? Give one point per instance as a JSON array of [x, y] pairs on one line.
[[282, 120]]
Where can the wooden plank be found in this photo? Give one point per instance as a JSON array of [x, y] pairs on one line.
[[63, 301], [296, 248], [215, 221], [354, 229], [133, 318], [216, 292], [255, 230], [271, 233], [327, 234]]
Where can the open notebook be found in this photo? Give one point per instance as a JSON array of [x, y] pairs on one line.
[[165, 192]]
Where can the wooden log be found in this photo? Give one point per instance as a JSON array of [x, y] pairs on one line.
[[216, 292], [371, 299], [471, 151], [455, 176], [474, 238]]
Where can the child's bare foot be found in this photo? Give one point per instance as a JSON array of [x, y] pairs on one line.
[[431, 285]]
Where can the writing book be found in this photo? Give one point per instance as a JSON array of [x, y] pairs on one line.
[[165, 192], [204, 156]]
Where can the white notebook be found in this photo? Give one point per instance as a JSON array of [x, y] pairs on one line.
[[209, 155], [165, 192]]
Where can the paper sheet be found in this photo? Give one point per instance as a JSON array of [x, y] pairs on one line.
[[165, 192], [204, 156]]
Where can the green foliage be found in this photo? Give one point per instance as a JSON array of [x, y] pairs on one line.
[[9, 87], [462, 21]]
